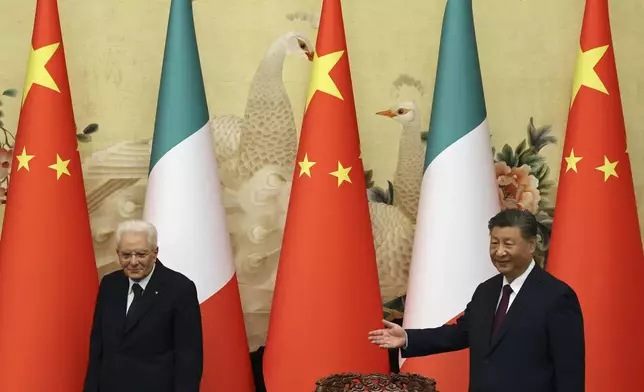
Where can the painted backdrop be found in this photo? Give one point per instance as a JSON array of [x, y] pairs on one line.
[[255, 58]]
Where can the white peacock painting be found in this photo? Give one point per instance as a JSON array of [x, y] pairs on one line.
[[256, 157]]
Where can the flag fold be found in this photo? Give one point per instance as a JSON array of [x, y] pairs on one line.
[[183, 201], [596, 243], [458, 196], [48, 278], [327, 296]]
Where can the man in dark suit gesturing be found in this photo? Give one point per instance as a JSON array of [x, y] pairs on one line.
[[524, 327], [147, 322]]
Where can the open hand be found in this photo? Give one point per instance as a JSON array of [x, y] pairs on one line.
[[393, 336]]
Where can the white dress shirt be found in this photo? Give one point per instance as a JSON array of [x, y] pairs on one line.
[[515, 285], [130, 293]]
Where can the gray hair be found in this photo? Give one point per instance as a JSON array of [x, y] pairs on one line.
[[137, 226]]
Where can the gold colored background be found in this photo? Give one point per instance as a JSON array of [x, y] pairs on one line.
[[527, 51]]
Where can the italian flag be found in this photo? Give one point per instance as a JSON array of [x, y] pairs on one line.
[[458, 197], [183, 201]]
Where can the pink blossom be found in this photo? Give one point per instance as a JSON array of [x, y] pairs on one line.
[[517, 187]]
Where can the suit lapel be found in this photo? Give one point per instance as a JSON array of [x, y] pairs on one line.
[[118, 306], [148, 299], [491, 299], [517, 307]]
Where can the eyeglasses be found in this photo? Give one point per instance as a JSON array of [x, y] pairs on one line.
[[140, 255]]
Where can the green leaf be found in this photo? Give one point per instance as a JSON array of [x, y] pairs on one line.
[[549, 210], [525, 153], [368, 176], [546, 184], [542, 206], [81, 137], [507, 155], [531, 127], [377, 195], [543, 172], [531, 160], [423, 136], [539, 137], [390, 192], [91, 128], [12, 92], [521, 147]]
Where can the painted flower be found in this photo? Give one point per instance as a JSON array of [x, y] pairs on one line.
[[517, 187], [5, 162]]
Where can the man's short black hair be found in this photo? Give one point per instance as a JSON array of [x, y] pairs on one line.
[[514, 217]]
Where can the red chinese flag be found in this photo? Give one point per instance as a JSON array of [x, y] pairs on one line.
[[48, 279], [596, 245], [327, 296]]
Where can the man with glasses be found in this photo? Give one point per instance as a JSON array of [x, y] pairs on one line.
[[147, 322]]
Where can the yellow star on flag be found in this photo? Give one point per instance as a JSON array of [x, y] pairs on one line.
[[60, 166], [36, 71], [23, 159], [608, 168], [306, 165], [572, 161], [320, 78], [342, 174], [585, 74]]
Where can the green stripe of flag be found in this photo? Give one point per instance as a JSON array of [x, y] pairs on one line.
[[182, 108], [458, 105]]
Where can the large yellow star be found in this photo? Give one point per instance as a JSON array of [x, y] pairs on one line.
[[36, 71], [60, 166], [23, 159], [608, 168], [306, 165], [585, 74], [320, 78], [572, 161], [342, 174]]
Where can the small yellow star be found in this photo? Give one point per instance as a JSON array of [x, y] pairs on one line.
[[342, 174], [36, 71], [585, 74], [320, 78], [306, 165], [23, 159], [60, 166], [608, 168], [572, 161]]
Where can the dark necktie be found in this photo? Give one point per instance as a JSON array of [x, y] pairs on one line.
[[138, 292], [503, 309]]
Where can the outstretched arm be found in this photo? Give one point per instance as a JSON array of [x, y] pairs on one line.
[[446, 338]]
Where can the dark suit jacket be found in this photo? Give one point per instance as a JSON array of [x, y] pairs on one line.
[[539, 347], [159, 349]]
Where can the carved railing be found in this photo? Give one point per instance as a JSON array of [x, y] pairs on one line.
[[376, 382]]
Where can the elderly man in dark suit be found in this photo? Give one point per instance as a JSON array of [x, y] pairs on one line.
[[147, 322], [524, 327]]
